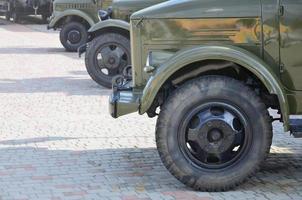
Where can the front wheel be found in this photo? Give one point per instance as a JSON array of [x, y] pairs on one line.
[[213, 132], [73, 35], [106, 57]]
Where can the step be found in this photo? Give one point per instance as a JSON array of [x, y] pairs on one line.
[[296, 127]]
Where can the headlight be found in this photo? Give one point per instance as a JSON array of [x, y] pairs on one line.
[[149, 59], [103, 15], [149, 68], [155, 58]]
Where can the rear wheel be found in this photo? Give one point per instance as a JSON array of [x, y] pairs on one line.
[[213, 132], [106, 57], [73, 35]]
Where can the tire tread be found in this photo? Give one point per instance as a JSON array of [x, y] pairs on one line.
[[163, 117]]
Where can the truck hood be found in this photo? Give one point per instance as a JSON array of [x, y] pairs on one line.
[[133, 4], [201, 9]]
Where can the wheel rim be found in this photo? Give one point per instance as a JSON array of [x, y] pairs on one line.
[[214, 135], [74, 37], [111, 59]]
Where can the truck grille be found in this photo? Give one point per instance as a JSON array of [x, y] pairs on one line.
[[64, 6]]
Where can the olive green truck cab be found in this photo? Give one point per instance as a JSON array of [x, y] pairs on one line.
[[210, 70]]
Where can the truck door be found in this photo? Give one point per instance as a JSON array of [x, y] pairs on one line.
[[291, 43]]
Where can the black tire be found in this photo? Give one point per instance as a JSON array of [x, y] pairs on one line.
[[73, 35], [95, 47], [211, 174]]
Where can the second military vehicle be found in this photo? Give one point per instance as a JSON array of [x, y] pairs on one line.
[[108, 50], [15, 9], [211, 70], [74, 18]]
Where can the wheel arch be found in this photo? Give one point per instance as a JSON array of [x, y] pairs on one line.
[[110, 25], [231, 54], [71, 15]]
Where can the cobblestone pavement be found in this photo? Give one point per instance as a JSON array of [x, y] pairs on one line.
[[59, 142]]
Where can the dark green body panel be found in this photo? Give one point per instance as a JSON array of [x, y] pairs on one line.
[[291, 44], [282, 45], [204, 22], [255, 34], [290, 52]]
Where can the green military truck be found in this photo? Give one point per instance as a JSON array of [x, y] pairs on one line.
[[105, 57], [210, 70], [74, 18]]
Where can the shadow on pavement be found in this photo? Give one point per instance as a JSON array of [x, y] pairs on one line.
[[26, 20], [33, 140], [29, 50], [116, 170], [70, 85], [38, 51]]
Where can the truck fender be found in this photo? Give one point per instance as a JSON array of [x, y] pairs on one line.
[[228, 53], [57, 18], [110, 23]]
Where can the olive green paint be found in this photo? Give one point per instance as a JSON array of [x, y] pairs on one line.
[[110, 23], [54, 21]]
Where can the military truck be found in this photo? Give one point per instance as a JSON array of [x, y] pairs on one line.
[[74, 18], [15, 9], [210, 70], [105, 57]]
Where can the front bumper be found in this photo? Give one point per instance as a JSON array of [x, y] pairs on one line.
[[123, 101], [52, 22], [82, 49]]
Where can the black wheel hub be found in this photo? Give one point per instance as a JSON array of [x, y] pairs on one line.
[[74, 36], [112, 59], [214, 135]]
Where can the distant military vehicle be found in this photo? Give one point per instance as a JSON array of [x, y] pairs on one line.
[[17, 8], [210, 70], [74, 18], [108, 50]]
